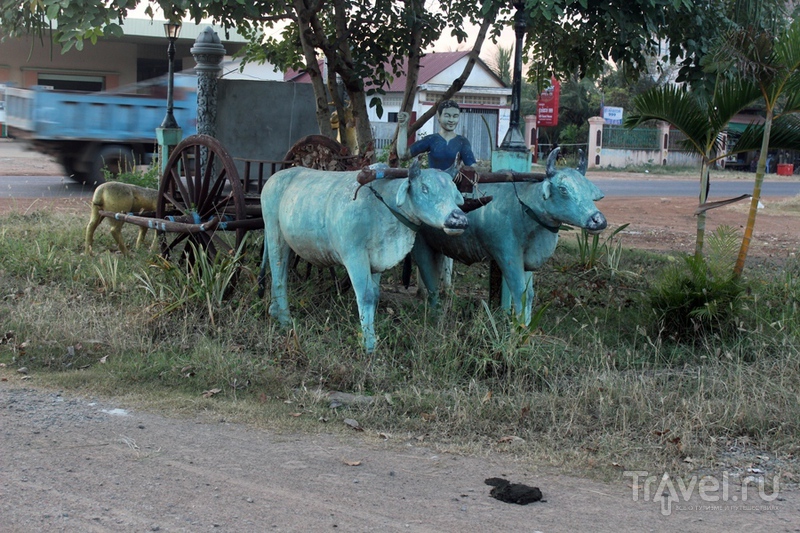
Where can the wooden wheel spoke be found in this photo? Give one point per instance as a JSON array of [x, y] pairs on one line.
[[179, 238], [177, 184], [215, 238], [170, 199], [219, 207], [215, 193], [206, 241], [206, 179], [188, 185]]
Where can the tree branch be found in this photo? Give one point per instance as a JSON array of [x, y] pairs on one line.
[[459, 82]]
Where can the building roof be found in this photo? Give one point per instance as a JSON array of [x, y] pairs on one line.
[[430, 65], [740, 121]]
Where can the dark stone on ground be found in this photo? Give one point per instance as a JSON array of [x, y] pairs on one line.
[[508, 492]]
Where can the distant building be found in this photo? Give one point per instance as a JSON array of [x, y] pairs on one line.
[[112, 62], [485, 101]]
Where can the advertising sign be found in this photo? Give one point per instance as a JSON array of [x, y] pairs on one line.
[[612, 115], [547, 106]]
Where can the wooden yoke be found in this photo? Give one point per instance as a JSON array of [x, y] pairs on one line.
[[367, 175], [466, 179]]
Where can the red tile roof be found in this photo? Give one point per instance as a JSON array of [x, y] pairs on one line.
[[429, 66]]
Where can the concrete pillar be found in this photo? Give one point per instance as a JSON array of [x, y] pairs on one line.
[[663, 129], [208, 53], [531, 136], [595, 141]]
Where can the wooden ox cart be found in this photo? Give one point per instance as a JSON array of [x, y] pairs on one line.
[[203, 200]]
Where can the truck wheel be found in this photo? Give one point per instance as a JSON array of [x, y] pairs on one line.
[[114, 159], [70, 164]]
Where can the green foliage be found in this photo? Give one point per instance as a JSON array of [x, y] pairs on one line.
[[148, 178], [204, 281], [502, 63], [591, 250], [770, 61], [701, 117], [701, 296], [560, 29]]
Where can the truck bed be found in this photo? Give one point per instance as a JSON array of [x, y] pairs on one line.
[[46, 115]]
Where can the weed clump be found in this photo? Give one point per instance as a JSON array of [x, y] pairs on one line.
[[700, 296]]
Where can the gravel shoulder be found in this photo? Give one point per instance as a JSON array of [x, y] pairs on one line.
[[85, 464]]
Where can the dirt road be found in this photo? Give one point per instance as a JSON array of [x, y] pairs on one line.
[[78, 464]]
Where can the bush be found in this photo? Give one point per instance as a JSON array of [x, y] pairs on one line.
[[700, 296], [148, 178]]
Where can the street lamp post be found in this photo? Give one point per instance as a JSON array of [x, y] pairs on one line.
[[514, 141], [169, 134], [513, 154], [172, 31]]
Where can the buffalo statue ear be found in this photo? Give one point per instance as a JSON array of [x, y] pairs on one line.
[[414, 169], [551, 162], [582, 162], [452, 171], [546, 186], [597, 194], [402, 192]]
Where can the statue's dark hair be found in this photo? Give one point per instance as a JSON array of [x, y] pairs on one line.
[[446, 104]]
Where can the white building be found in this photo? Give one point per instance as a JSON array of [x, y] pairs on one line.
[[485, 101]]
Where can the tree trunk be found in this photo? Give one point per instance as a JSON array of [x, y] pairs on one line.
[[701, 217], [353, 84], [459, 82], [751, 217], [312, 67], [412, 72]]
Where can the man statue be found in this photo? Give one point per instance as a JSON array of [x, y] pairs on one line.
[[443, 148]]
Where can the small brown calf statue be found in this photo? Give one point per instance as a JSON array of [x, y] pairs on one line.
[[119, 198]]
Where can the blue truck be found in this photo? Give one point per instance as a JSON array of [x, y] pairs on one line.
[[91, 133]]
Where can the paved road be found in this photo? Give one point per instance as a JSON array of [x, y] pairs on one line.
[[58, 187], [41, 187], [677, 188]]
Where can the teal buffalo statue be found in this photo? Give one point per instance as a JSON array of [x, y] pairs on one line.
[[518, 229], [325, 219]]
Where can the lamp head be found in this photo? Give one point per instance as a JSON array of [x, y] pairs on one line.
[[172, 30]]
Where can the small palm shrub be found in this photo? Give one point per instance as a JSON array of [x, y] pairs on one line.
[[700, 296]]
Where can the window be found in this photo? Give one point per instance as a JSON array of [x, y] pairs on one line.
[[474, 99], [72, 82]]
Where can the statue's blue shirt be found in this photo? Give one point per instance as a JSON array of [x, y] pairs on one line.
[[441, 153]]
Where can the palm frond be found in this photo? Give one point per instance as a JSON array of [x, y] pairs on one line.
[[676, 106], [784, 134]]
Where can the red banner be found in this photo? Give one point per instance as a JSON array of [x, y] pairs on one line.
[[547, 107]]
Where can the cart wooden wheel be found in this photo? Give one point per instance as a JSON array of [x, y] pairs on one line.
[[322, 153], [200, 185]]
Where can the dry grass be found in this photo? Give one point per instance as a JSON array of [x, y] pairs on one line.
[[592, 388]]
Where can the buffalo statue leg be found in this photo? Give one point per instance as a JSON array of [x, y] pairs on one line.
[[429, 263], [520, 288], [366, 285], [277, 252]]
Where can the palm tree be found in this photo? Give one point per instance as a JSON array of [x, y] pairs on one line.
[[773, 65], [701, 117]]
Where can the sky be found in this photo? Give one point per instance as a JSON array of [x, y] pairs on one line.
[[446, 44]]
